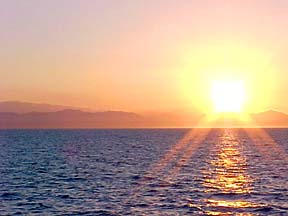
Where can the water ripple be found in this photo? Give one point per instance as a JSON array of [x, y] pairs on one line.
[[144, 172]]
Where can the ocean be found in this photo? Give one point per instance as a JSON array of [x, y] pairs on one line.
[[144, 172]]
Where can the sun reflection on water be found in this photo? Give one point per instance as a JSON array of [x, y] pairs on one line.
[[227, 180]]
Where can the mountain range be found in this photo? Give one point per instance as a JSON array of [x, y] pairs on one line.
[[26, 107], [32, 115]]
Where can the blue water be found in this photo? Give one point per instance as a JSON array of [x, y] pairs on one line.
[[144, 172]]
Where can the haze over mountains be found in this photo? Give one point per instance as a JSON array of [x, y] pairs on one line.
[[25, 107], [33, 115]]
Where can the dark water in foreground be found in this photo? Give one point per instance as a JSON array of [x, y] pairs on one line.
[[144, 172]]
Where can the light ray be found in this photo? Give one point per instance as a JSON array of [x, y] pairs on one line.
[[193, 135], [265, 144], [180, 152], [192, 147]]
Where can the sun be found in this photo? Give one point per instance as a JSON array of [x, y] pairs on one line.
[[228, 96]]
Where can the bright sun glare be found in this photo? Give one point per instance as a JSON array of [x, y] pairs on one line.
[[228, 96]]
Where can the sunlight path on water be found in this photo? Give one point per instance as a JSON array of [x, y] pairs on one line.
[[227, 180], [230, 167], [208, 172]]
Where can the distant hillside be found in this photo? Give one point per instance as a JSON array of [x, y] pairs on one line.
[[271, 118], [12, 116], [26, 107], [17, 114], [68, 119], [78, 119]]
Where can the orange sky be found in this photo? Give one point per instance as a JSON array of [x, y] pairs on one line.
[[143, 55]]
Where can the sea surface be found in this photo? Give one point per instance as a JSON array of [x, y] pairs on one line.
[[144, 172]]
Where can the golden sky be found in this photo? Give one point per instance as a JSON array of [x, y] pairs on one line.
[[154, 55]]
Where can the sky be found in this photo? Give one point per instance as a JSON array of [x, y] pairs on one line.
[[136, 55]]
